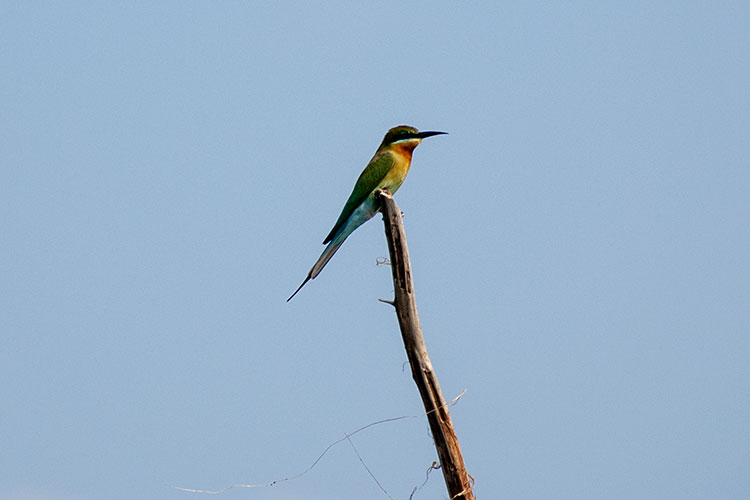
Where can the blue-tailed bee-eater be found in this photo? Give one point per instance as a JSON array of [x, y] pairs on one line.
[[386, 170]]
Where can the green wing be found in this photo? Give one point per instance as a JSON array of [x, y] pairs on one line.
[[368, 181]]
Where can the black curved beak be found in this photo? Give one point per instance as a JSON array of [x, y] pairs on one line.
[[422, 135]]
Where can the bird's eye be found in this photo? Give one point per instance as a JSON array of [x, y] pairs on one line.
[[401, 135]]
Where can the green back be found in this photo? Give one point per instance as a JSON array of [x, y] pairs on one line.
[[368, 182]]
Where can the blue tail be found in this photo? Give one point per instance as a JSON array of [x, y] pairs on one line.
[[361, 215]]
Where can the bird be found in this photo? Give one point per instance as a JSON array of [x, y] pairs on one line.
[[386, 170]]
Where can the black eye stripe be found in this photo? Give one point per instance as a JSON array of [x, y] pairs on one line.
[[401, 135]]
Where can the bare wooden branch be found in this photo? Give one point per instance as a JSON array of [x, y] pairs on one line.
[[457, 480]]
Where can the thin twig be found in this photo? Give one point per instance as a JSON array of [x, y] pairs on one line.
[[320, 457], [431, 468], [368, 469]]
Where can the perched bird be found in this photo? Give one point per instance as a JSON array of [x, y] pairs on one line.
[[386, 170]]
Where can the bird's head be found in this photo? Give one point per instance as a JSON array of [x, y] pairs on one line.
[[405, 137]]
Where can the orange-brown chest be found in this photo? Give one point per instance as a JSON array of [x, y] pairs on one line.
[[401, 164]]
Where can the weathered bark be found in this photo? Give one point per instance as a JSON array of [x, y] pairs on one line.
[[457, 480]]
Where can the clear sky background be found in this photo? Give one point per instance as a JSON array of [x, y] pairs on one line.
[[580, 247]]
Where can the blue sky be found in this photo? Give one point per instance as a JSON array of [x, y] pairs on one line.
[[579, 242]]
